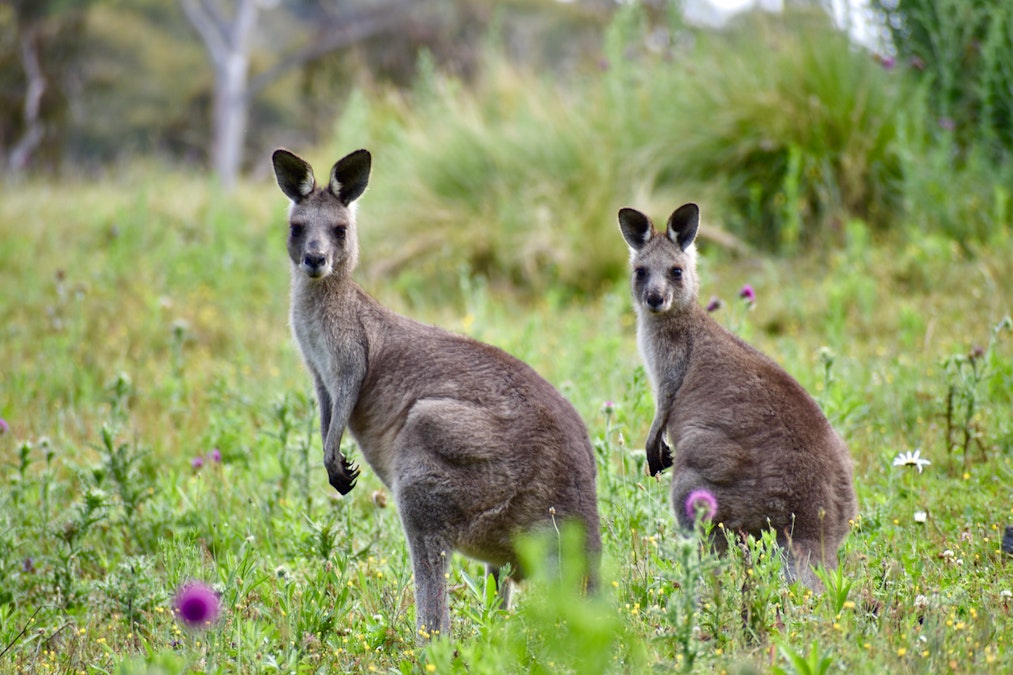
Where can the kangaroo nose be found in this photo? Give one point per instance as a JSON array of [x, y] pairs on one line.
[[654, 301], [314, 260]]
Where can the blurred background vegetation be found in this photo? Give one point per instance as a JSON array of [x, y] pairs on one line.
[[507, 134]]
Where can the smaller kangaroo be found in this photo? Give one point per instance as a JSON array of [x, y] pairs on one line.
[[474, 446], [742, 428]]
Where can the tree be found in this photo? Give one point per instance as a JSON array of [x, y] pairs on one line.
[[228, 38], [44, 41]]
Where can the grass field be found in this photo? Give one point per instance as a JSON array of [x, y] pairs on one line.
[[159, 428]]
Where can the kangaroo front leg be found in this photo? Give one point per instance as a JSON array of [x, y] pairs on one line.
[[659, 455], [325, 405], [340, 472], [334, 414]]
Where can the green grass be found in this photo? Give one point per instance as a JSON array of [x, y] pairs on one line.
[[145, 325]]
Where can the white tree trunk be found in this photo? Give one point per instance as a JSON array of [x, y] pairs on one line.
[[228, 42], [21, 153]]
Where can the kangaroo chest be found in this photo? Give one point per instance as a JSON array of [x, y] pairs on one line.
[[665, 350], [330, 346]]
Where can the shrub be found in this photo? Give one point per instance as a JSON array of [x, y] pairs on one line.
[[799, 127], [784, 128], [962, 51]]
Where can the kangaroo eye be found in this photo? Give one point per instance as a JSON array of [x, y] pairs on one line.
[[676, 272], [339, 231], [639, 273], [295, 229]]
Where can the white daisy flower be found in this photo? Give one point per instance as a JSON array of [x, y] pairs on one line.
[[911, 459]]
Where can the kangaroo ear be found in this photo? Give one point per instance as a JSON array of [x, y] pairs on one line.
[[683, 224], [350, 176], [294, 175], [636, 228]]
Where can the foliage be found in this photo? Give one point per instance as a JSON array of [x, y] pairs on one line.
[[954, 57], [782, 129], [962, 52], [129, 78], [40, 45], [802, 128], [966, 375]]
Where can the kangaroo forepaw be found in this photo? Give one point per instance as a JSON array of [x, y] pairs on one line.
[[666, 456], [659, 458], [343, 481]]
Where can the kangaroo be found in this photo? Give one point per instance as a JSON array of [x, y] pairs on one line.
[[474, 446], [742, 428]]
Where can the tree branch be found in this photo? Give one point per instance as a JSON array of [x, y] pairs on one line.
[[210, 24], [242, 25], [346, 30]]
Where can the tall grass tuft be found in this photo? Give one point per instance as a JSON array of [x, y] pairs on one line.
[[962, 52], [510, 180], [783, 127], [799, 128]]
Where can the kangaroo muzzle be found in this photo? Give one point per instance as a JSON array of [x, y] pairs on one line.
[[315, 264], [656, 301]]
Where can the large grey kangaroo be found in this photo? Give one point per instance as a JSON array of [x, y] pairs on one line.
[[741, 427], [474, 446]]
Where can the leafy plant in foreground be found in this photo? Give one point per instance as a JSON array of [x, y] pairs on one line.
[[816, 662], [965, 375], [837, 585]]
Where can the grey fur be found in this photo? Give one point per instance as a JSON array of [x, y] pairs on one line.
[[741, 427], [474, 446]]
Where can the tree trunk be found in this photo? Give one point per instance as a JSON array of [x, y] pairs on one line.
[[231, 109], [21, 153], [228, 43], [227, 40]]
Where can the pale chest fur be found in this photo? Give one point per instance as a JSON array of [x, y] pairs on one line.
[[320, 328], [309, 334], [664, 348], [329, 329], [665, 343], [647, 344]]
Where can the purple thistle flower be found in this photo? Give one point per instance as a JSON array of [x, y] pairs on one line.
[[196, 604], [4, 427], [215, 456], [748, 294], [197, 462], [28, 565], [714, 304], [703, 500], [888, 62], [608, 407]]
